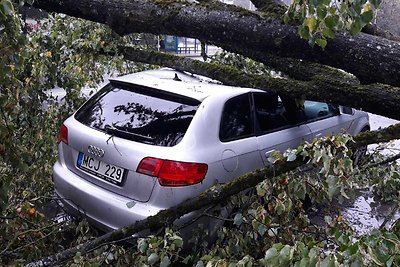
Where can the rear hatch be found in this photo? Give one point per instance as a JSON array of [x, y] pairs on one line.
[[118, 127]]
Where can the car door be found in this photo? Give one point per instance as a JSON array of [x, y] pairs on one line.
[[277, 128], [237, 138], [325, 119]]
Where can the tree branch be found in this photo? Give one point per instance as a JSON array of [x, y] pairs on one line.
[[295, 68], [374, 30], [370, 58], [377, 98], [270, 6], [379, 136], [383, 162]]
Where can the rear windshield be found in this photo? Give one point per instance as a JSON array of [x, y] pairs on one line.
[[139, 113]]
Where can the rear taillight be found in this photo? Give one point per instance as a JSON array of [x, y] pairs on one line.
[[63, 136], [150, 166], [173, 173]]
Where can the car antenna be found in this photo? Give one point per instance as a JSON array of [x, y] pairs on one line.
[[176, 78]]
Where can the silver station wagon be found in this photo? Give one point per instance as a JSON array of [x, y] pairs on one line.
[[150, 140]]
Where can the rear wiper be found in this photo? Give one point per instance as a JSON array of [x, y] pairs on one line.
[[110, 129]]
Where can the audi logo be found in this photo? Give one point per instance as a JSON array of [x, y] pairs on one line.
[[96, 151]]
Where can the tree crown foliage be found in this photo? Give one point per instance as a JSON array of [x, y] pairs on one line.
[[321, 20]]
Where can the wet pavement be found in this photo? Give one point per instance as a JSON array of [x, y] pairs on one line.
[[366, 212]]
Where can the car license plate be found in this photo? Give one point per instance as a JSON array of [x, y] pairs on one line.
[[100, 169]]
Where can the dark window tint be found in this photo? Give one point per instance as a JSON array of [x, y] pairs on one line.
[[319, 110], [269, 112], [140, 114], [236, 119]]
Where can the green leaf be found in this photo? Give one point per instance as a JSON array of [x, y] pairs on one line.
[[153, 258], [328, 262], [142, 244], [352, 249], [77, 257], [23, 167], [374, 257], [313, 255], [260, 191], [300, 191], [238, 219], [178, 242], [344, 239], [304, 262], [187, 259], [286, 18], [390, 261], [332, 191], [367, 17], [304, 32], [382, 254], [331, 21], [7, 7], [375, 3], [291, 156], [321, 12], [261, 229], [165, 262], [332, 180], [348, 163], [357, 263], [327, 32], [392, 237], [355, 27], [321, 42], [279, 207], [311, 23], [271, 253], [286, 254]]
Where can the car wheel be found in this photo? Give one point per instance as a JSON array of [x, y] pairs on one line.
[[359, 153]]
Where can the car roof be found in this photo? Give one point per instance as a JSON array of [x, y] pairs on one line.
[[190, 85]]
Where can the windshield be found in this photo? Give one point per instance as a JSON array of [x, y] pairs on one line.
[[141, 114]]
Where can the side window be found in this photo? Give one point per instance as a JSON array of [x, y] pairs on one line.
[[236, 119], [274, 112], [319, 110], [269, 112]]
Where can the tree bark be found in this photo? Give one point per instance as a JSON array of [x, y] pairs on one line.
[[211, 196], [370, 58], [377, 98]]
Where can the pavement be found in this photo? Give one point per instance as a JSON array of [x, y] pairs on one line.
[[366, 212], [378, 122]]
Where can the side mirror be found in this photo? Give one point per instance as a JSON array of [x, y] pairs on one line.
[[346, 110]]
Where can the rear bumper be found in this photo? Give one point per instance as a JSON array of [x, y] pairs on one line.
[[104, 209]]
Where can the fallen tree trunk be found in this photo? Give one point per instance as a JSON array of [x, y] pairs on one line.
[[211, 196], [370, 58], [339, 88]]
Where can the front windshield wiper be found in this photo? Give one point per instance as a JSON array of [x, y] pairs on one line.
[[110, 129]]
